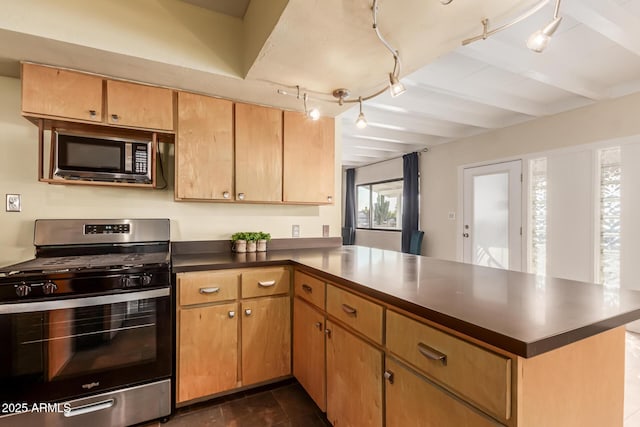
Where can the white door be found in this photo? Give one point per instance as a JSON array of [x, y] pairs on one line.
[[492, 221]]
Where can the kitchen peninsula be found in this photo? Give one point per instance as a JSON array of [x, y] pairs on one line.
[[433, 338]]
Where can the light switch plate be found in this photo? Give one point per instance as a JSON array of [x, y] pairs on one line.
[[13, 203], [295, 230], [325, 230]]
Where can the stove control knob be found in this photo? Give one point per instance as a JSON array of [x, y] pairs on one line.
[[23, 290], [146, 279], [49, 288]]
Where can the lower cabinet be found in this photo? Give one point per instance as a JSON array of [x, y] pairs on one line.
[[309, 351], [411, 401], [266, 339], [207, 350], [354, 380]]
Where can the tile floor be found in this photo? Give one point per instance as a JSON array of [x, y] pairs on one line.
[[289, 405]]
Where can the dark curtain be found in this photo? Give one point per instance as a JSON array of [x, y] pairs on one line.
[[410, 208], [350, 209]]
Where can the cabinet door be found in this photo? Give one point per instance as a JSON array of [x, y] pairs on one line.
[[258, 153], [266, 339], [61, 93], [308, 351], [354, 380], [411, 401], [309, 163], [130, 104], [207, 351], [204, 148]]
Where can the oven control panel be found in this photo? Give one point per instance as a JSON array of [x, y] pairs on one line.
[[107, 228]]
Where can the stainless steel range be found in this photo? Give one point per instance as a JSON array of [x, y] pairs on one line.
[[85, 327]]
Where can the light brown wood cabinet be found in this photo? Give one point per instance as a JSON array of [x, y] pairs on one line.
[[136, 105], [309, 159], [266, 339], [309, 350], [258, 153], [224, 342], [65, 94], [207, 351], [204, 148], [354, 380], [412, 401], [54, 93]]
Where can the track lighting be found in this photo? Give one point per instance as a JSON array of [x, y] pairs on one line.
[[539, 40], [314, 113], [395, 86], [361, 121]]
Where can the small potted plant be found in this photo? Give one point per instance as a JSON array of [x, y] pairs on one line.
[[239, 241], [252, 240], [263, 238]]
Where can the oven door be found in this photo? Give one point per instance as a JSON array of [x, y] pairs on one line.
[[62, 349]]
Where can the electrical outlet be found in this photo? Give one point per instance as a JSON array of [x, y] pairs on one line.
[[325, 230], [13, 203], [295, 230]]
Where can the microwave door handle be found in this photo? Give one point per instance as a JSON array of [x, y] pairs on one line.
[[32, 307]]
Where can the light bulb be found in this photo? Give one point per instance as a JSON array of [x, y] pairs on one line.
[[361, 122], [313, 114], [395, 86], [539, 40]]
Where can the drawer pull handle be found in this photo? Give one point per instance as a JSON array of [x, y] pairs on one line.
[[432, 354], [349, 310], [308, 289], [267, 284], [209, 290], [388, 375]]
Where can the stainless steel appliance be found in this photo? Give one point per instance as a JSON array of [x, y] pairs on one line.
[[85, 327], [99, 158]]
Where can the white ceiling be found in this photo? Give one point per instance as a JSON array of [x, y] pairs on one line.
[[452, 91]]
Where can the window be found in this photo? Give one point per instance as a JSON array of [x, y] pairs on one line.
[[610, 175], [380, 205], [538, 219]]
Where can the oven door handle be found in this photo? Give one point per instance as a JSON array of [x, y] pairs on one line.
[[32, 307], [91, 407]]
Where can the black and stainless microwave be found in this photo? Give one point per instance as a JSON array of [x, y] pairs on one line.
[[99, 158]]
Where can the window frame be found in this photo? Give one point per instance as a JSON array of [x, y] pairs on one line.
[[370, 185]]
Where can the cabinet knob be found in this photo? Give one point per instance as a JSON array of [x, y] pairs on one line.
[[388, 375], [248, 312], [114, 117], [240, 196], [327, 333], [232, 314], [329, 199], [92, 113], [318, 325], [226, 195]]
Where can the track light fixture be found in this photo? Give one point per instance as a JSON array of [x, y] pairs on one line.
[[538, 41], [361, 121], [341, 95]]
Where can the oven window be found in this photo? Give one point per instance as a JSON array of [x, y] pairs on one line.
[[84, 345]]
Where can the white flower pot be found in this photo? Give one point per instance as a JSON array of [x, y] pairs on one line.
[[240, 246], [251, 246], [262, 245]]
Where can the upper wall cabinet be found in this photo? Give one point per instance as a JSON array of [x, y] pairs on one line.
[[55, 94], [204, 148], [130, 104], [258, 156], [59, 93], [308, 159]]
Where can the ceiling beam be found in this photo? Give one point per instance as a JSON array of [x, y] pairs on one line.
[[374, 132], [608, 18], [541, 68]]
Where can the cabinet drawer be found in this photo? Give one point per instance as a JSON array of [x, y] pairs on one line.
[[206, 286], [362, 315], [265, 281], [310, 289], [476, 374], [413, 401]]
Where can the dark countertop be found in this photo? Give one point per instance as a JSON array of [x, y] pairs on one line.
[[518, 312]]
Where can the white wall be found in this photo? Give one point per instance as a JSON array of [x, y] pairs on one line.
[[439, 167], [383, 171], [189, 220]]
